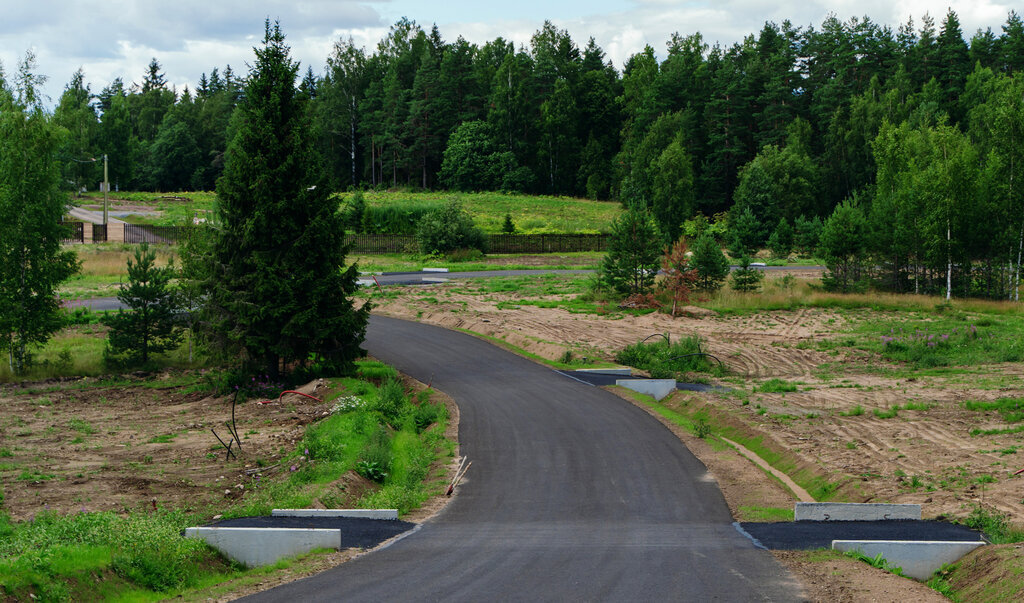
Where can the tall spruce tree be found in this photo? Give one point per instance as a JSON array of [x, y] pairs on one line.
[[279, 290]]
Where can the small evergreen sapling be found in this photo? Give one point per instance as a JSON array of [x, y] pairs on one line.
[[147, 327], [709, 261], [745, 278], [632, 259], [509, 227]]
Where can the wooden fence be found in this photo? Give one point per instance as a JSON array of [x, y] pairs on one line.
[[496, 243], [372, 243]]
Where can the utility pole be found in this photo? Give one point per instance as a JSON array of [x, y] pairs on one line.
[[106, 188]]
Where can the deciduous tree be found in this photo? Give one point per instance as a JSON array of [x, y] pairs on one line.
[[32, 263]]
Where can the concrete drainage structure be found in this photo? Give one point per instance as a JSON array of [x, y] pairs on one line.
[[918, 559], [256, 547], [658, 388], [385, 514], [825, 511]]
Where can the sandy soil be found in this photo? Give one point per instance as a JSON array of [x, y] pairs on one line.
[[136, 445], [68, 448]]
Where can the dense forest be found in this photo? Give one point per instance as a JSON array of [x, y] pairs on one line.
[[916, 134]]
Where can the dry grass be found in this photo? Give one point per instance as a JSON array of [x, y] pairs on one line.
[[778, 293], [111, 259]]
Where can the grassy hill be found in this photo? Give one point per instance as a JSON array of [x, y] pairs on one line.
[[530, 214]]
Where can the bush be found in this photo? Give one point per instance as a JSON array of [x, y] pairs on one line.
[[391, 403], [633, 253], [662, 359], [745, 278], [148, 327], [709, 261], [396, 218], [447, 229]]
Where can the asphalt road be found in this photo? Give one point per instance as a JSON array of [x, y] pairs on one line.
[[573, 494]]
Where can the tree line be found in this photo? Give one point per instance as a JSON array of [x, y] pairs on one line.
[[778, 130]]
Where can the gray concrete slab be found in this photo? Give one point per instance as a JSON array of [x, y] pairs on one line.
[[918, 559], [385, 514], [657, 388], [622, 372], [829, 511], [255, 547]]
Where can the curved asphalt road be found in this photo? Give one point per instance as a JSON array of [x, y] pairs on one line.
[[573, 495]]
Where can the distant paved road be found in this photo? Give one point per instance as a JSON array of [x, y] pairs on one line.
[[573, 495]]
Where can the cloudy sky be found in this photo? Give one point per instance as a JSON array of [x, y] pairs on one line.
[[117, 38]]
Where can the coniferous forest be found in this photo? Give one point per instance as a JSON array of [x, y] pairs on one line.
[[903, 146]]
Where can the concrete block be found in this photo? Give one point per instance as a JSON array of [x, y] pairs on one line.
[[918, 559], [825, 511], [433, 279], [255, 547], [658, 388], [386, 514], [435, 270], [625, 372]]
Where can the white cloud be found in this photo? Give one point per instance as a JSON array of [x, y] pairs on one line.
[[117, 38]]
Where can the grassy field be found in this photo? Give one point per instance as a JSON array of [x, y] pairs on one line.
[[530, 214]]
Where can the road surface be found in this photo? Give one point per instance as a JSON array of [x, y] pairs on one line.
[[573, 494]]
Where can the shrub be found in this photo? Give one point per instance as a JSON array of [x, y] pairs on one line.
[[745, 278], [709, 261], [633, 252], [148, 327], [391, 403], [447, 229], [662, 359]]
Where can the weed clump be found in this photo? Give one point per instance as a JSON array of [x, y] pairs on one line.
[[664, 360]]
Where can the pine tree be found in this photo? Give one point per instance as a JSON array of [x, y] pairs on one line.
[[32, 263], [709, 261], [632, 257], [148, 326], [746, 279], [279, 291]]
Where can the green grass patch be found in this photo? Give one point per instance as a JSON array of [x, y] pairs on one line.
[[669, 360], [164, 438], [776, 386], [892, 413], [531, 214], [995, 525], [1010, 409], [63, 557], [765, 514], [81, 426]]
